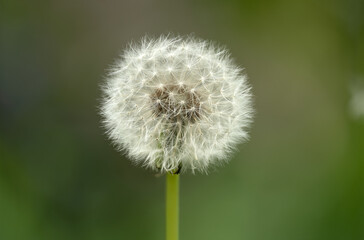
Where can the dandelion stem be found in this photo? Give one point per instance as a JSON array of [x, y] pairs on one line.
[[172, 206]]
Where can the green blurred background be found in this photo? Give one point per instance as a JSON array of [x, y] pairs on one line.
[[301, 177]]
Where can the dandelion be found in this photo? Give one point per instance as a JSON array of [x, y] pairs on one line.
[[176, 104]]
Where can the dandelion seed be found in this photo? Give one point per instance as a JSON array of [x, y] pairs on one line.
[[181, 118]]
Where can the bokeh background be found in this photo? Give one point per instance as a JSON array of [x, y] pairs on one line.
[[301, 176]]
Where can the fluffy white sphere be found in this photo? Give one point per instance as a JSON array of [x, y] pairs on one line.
[[176, 104]]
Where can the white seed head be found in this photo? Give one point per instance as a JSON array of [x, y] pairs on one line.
[[176, 103]]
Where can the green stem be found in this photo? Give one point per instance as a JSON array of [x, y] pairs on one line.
[[172, 206]]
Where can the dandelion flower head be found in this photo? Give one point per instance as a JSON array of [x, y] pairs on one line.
[[176, 104]]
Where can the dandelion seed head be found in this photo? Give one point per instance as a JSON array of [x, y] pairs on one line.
[[175, 103]]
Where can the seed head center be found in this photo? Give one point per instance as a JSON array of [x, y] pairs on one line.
[[179, 103]]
